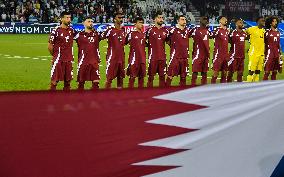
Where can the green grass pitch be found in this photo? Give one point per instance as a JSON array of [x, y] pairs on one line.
[[25, 63]]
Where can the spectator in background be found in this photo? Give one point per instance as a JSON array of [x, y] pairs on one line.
[[4, 17], [32, 18]]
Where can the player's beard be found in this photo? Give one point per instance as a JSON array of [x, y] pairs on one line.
[[160, 23], [275, 26], [90, 27], [183, 25], [67, 23]]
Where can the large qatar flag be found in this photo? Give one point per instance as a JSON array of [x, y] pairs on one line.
[[223, 130]]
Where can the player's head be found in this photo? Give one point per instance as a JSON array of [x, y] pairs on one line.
[[118, 18], [204, 21], [159, 18], [271, 22], [223, 21], [138, 22], [181, 20], [239, 23], [65, 18], [88, 23], [260, 22]]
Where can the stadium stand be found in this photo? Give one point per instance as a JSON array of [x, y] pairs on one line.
[[47, 11]]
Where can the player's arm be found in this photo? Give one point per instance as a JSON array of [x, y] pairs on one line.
[[105, 34], [280, 58], [231, 37], [190, 32], [168, 38], [280, 53], [128, 38], [169, 34], [50, 48], [147, 33], [76, 37], [51, 41], [266, 36], [248, 32]]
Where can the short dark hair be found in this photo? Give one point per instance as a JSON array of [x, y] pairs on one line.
[[157, 13], [220, 17], [62, 14], [204, 17], [180, 16], [238, 19], [138, 19], [87, 17], [269, 21], [258, 18], [117, 13]]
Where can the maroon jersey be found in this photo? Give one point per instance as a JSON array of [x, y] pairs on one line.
[[156, 39], [137, 41], [116, 42], [237, 40], [62, 40], [201, 47], [221, 43], [88, 47], [179, 42], [272, 44]]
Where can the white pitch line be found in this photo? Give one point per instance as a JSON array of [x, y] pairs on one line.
[[44, 56], [35, 58], [26, 57], [35, 43], [44, 59], [7, 55]]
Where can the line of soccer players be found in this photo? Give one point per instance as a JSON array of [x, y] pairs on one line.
[[264, 51]]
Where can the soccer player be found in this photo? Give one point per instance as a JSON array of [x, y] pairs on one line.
[[220, 63], [60, 46], [137, 55], [88, 55], [157, 36], [237, 51], [179, 43], [272, 48], [115, 53], [256, 50], [201, 51]]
